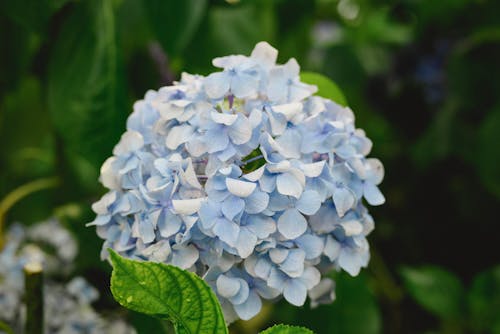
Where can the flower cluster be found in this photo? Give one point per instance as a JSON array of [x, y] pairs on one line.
[[246, 178], [67, 307]]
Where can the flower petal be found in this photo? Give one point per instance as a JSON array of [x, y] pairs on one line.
[[240, 188], [250, 307], [309, 202], [295, 292], [287, 184], [187, 206], [178, 135], [227, 231], [227, 287], [216, 85], [292, 224]]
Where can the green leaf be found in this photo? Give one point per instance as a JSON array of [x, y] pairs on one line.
[[174, 22], [326, 87], [229, 30], [32, 14], [484, 301], [167, 292], [355, 309], [285, 329], [85, 85], [435, 289], [488, 151]]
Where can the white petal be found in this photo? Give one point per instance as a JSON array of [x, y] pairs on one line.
[[255, 175], [221, 118], [178, 135], [227, 287], [314, 169], [265, 54], [289, 185], [187, 206], [240, 188]]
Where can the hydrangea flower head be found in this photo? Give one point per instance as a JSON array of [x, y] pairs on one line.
[[246, 178]]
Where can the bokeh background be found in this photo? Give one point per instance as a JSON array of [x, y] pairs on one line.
[[422, 77]]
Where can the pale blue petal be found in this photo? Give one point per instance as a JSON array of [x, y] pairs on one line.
[[312, 245], [227, 231], [146, 231], [232, 206], [217, 85], [185, 257], [373, 194], [293, 266], [332, 248], [350, 261], [292, 224], [309, 202], [227, 287], [240, 131], [246, 243], [261, 226], [287, 184], [250, 308], [256, 202], [178, 135], [168, 223], [242, 294], [244, 85], [295, 292], [216, 140], [276, 279], [263, 268], [209, 212], [267, 183], [343, 199], [311, 277]]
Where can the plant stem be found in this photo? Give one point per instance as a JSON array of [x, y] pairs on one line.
[[253, 159], [33, 283], [4, 327], [18, 194]]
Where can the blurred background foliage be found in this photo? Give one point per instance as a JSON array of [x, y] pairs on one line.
[[421, 76]]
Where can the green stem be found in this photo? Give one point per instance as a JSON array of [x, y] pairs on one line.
[[387, 284], [33, 283], [18, 194], [6, 328]]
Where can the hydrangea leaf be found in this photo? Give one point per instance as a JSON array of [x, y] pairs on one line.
[[435, 289], [285, 329], [33, 15], [326, 87], [167, 292], [174, 22], [85, 88], [484, 300], [488, 152]]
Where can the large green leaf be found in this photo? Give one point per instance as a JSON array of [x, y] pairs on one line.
[[32, 14], [230, 29], [285, 329], [355, 309], [435, 289], [484, 301], [174, 22], [488, 151], [326, 87], [85, 86], [167, 292]]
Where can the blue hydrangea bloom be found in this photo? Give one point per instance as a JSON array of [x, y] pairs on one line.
[[246, 178]]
